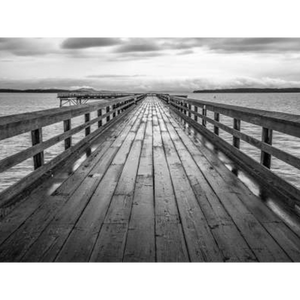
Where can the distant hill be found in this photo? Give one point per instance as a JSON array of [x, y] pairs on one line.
[[251, 90]]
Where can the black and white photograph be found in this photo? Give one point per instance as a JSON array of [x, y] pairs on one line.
[[149, 151]]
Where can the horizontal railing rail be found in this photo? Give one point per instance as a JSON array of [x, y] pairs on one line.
[[193, 111], [33, 123]]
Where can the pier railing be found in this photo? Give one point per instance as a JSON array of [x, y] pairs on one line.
[[34, 123], [195, 113]]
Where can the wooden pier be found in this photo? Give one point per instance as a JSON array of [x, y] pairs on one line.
[[149, 192], [83, 98]]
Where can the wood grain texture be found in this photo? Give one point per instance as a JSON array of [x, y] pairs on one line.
[[150, 192]]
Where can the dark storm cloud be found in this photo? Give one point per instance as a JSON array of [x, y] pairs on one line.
[[142, 47], [26, 46], [100, 76], [254, 45], [224, 45], [135, 48], [82, 43]]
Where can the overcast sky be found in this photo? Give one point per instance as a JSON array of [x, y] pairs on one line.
[[145, 64]]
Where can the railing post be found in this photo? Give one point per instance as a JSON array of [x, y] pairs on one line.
[[114, 107], [190, 108], [195, 116], [67, 127], [236, 126], [204, 112], [265, 158], [37, 138], [99, 113], [217, 119], [107, 111], [87, 119]]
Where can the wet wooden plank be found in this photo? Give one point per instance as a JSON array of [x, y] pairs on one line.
[[81, 241], [110, 243], [260, 241], [263, 214], [200, 241], [71, 212], [170, 241], [47, 211], [64, 180], [219, 221], [140, 244]]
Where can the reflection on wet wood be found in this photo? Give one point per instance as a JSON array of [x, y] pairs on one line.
[[147, 193]]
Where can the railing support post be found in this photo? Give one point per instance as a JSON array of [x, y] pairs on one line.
[[107, 111], [236, 126], [265, 158], [114, 107], [99, 113], [217, 119], [195, 116], [67, 127], [204, 112], [37, 138], [87, 119]]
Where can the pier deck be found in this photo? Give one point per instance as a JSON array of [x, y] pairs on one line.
[[147, 193]]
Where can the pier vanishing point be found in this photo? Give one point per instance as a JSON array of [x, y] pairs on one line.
[[149, 184]]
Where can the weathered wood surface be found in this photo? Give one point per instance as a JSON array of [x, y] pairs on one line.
[[147, 193], [269, 121]]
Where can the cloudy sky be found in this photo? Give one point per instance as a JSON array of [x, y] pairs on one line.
[[148, 64]]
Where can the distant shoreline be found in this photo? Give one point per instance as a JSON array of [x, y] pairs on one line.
[[44, 91], [251, 90]]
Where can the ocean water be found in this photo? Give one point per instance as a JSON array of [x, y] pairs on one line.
[[14, 103]]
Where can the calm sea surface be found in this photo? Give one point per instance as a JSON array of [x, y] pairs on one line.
[[11, 103]]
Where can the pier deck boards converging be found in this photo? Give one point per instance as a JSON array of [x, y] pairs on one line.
[[147, 193]]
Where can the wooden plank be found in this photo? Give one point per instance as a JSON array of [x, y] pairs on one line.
[[140, 245], [120, 208], [253, 203], [110, 243], [14, 190], [69, 184], [170, 243], [218, 219], [262, 244], [67, 178], [80, 243], [41, 218], [55, 243], [200, 241], [48, 244]]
